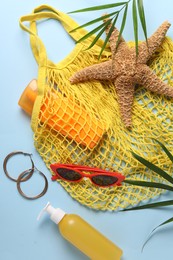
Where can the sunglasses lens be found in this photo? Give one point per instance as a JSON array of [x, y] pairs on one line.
[[68, 174], [104, 180]]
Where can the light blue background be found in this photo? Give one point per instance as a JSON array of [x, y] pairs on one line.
[[21, 236]]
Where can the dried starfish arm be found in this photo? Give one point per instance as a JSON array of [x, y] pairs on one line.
[[100, 71], [147, 78], [146, 50], [125, 92]]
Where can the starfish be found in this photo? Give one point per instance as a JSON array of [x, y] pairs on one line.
[[126, 69]]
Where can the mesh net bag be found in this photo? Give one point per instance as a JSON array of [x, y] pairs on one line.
[[81, 124]]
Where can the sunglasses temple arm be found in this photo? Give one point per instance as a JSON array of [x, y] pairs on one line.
[[55, 177], [82, 168], [77, 167], [94, 169], [86, 168]]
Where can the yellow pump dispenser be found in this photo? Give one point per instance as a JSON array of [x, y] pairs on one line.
[[82, 235]]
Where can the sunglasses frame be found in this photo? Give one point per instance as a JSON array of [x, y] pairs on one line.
[[79, 169]]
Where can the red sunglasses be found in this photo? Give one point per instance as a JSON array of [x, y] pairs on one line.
[[73, 173]]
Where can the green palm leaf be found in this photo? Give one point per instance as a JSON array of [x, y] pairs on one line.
[[94, 21], [123, 24], [149, 184], [135, 24], [165, 150], [153, 167], [100, 33], [163, 223], [142, 17], [92, 32], [136, 5], [99, 7], [108, 35], [152, 205], [153, 184]]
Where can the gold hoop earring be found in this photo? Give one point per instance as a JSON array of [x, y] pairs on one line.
[[22, 176], [13, 154], [25, 175]]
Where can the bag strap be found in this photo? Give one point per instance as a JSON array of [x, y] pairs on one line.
[[47, 12], [68, 23]]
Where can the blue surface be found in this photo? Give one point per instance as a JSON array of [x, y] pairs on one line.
[[21, 236]]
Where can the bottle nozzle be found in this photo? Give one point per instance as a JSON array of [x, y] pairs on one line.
[[55, 214], [43, 210]]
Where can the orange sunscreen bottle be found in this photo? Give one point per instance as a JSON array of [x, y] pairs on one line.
[[82, 235], [70, 119]]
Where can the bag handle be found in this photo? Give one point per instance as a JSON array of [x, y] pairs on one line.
[[44, 12]]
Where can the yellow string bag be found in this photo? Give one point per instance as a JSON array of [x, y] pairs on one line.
[[81, 123]]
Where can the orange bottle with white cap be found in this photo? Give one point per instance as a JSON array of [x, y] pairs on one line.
[[70, 119]]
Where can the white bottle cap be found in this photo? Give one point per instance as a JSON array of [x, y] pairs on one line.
[[55, 214]]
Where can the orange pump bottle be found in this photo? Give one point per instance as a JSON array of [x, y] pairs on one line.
[[70, 118], [83, 236]]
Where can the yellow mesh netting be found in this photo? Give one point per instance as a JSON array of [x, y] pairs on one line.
[[81, 124]]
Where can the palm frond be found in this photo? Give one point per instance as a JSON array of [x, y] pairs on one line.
[[170, 156], [92, 32], [100, 33], [161, 173], [152, 205], [122, 24], [142, 17], [150, 184], [137, 10], [135, 24], [94, 21], [163, 223], [153, 167], [108, 35], [98, 7]]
